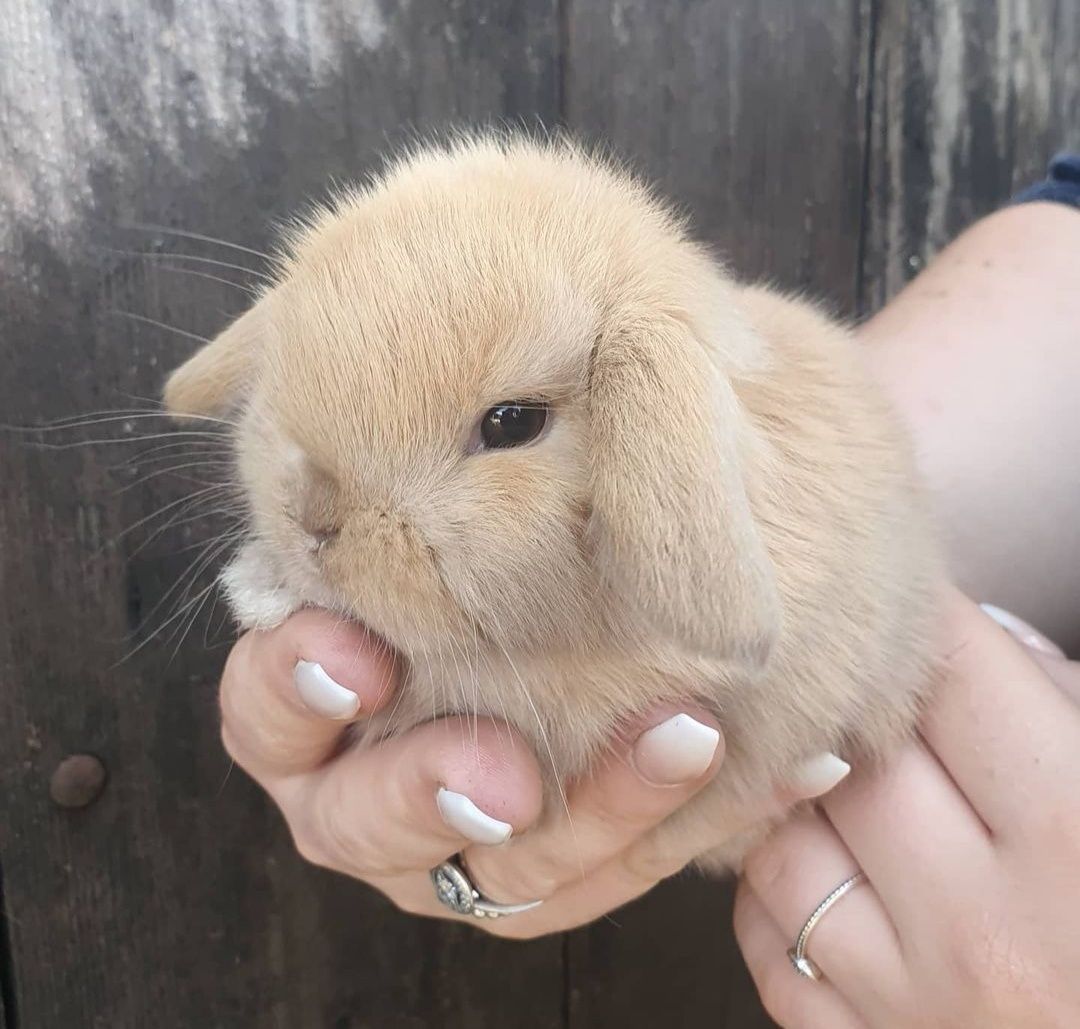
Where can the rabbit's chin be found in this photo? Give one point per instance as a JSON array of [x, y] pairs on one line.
[[261, 596]]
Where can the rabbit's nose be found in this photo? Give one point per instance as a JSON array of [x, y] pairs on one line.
[[323, 535], [319, 529]]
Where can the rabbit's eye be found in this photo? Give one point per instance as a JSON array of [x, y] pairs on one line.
[[513, 425]]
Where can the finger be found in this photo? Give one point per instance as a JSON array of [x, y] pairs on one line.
[[659, 854], [664, 852], [408, 803], [1064, 674], [790, 999], [1023, 632], [908, 826], [855, 943], [639, 785], [1006, 734], [1044, 652], [651, 857], [287, 694]]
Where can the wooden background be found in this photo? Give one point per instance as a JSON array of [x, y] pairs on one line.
[[828, 144]]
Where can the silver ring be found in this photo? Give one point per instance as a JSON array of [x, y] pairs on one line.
[[455, 891], [799, 960]]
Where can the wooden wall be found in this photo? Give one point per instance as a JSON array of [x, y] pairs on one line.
[[826, 144]]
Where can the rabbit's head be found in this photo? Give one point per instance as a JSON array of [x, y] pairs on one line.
[[490, 398]]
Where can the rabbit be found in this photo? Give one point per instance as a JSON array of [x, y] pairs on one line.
[[499, 407]]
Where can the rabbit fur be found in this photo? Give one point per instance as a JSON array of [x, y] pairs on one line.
[[722, 508]]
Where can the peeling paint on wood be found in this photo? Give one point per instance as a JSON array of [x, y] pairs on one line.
[[971, 99]]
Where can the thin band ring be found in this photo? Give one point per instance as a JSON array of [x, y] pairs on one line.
[[799, 960]]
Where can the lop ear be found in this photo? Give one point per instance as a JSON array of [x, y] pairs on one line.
[[209, 381], [672, 530]]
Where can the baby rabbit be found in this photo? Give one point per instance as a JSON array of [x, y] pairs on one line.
[[502, 410]]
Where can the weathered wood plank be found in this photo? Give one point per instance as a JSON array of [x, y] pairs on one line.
[[177, 899], [669, 959], [752, 115], [970, 100], [7, 968]]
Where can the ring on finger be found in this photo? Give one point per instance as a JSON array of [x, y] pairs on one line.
[[799, 959], [455, 890]]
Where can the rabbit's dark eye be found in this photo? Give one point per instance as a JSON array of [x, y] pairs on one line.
[[513, 425]]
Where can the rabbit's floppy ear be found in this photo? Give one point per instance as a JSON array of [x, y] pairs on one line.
[[208, 382], [671, 531]]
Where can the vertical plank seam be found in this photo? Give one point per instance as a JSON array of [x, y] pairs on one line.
[[9, 1019], [865, 216]]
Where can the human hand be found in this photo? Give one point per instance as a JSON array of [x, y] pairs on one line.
[[388, 813], [970, 843]]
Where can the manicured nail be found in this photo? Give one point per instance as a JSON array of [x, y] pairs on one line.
[[463, 816], [1028, 635], [320, 693], [816, 776], [675, 752]]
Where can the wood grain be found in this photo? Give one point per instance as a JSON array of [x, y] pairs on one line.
[[970, 101], [751, 114]]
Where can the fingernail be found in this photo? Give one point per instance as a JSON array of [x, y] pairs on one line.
[[464, 817], [1028, 635], [675, 752], [818, 775], [320, 693]]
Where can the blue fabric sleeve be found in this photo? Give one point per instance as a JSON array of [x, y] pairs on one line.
[[1061, 185]]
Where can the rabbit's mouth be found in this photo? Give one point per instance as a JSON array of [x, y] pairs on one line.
[[259, 593], [264, 587]]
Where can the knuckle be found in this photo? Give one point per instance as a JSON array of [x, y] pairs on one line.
[[767, 867], [647, 863], [514, 882], [618, 820], [741, 915], [228, 741], [410, 905], [340, 842], [307, 847], [776, 987], [990, 962], [235, 672]]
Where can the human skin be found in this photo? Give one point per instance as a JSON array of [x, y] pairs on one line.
[[981, 353], [970, 842], [378, 814], [968, 838]]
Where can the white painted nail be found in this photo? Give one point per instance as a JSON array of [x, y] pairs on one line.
[[464, 817], [676, 751], [816, 776], [1028, 635], [320, 693]]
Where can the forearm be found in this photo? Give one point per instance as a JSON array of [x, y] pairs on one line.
[[982, 356]]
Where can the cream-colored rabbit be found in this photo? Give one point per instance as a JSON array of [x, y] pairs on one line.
[[501, 409]]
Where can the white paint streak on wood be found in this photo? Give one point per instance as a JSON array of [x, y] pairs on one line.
[[1026, 66], [79, 82], [948, 124]]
